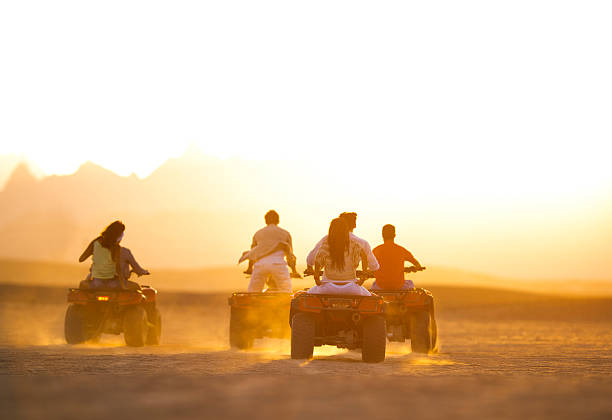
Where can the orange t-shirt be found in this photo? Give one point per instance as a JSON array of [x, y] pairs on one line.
[[391, 258]]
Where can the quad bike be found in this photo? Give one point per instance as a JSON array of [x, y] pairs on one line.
[[113, 311], [410, 316], [258, 315], [344, 321]]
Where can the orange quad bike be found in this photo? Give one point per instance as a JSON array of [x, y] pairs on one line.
[[258, 315], [410, 316], [344, 321], [93, 312]]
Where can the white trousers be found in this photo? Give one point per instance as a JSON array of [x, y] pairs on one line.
[[350, 288], [275, 275]]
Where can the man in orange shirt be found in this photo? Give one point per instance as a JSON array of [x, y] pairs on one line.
[[391, 258]]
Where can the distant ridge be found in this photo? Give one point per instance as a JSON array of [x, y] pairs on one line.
[[91, 169], [8, 164], [21, 178], [199, 211], [190, 211]]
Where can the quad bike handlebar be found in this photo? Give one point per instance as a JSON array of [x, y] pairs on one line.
[[364, 275], [371, 274], [146, 273]]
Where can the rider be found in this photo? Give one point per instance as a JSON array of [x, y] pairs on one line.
[[107, 269], [261, 250], [391, 257], [351, 221], [268, 249], [128, 265], [339, 255]]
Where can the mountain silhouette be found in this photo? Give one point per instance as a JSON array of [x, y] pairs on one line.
[[199, 211], [191, 211], [20, 179]]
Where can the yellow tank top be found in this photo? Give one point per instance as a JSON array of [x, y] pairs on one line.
[[103, 266]]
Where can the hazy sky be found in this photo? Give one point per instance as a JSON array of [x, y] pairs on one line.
[[493, 118], [470, 100]]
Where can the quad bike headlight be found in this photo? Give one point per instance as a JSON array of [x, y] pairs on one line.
[[102, 298]]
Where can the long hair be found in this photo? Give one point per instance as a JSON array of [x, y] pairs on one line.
[[109, 237], [339, 241]]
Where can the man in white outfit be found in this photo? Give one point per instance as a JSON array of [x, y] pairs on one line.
[[272, 268], [351, 221]]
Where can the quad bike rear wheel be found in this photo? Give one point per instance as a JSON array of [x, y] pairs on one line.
[[374, 339], [75, 325], [155, 327], [302, 336], [239, 334], [135, 326], [434, 335], [423, 333]]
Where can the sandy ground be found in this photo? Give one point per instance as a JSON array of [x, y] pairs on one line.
[[503, 355]]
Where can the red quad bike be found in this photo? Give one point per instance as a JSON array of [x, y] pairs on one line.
[[410, 316], [258, 315], [113, 311], [344, 321]]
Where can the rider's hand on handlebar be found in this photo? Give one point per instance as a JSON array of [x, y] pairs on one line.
[[414, 269]]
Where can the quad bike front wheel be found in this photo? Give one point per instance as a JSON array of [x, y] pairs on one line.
[[302, 336], [75, 325], [423, 332], [155, 327], [135, 326], [374, 339], [239, 334]]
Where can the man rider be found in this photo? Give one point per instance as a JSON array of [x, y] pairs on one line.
[[272, 267], [391, 257], [351, 221]]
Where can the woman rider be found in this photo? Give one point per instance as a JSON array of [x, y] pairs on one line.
[[339, 256], [106, 271]]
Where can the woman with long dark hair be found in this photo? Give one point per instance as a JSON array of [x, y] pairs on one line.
[[106, 251], [339, 257]]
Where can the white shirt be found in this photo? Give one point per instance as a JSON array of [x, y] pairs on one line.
[[372, 261]]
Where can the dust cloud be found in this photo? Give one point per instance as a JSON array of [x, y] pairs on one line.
[[501, 351]]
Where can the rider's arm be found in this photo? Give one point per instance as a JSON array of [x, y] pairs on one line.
[[319, 263], [290, 242], [410, 258], [317, 270], [372, 261], [134, 264], [364, 260], [88, 251], [310, 259], [364, 264]]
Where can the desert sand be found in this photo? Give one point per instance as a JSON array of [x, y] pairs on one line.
[[503, 355]]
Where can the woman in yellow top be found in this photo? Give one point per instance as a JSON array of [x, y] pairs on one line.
[[106, 271], [339, 256]]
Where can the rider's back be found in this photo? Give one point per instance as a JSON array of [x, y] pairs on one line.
[[103, 266], [268, 238], [351, 261], [391, 257]]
